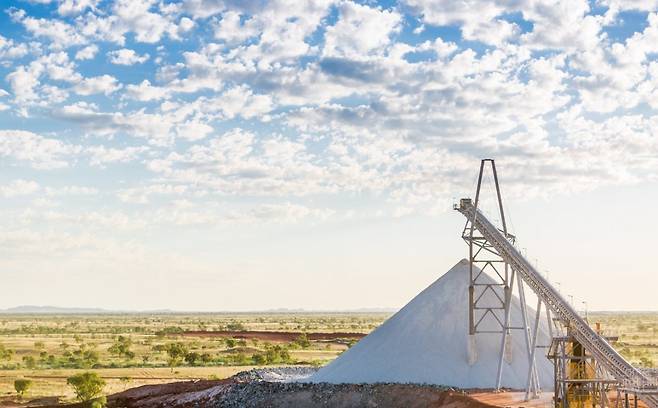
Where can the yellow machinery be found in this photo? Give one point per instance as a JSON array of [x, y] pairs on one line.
[[578, 381]]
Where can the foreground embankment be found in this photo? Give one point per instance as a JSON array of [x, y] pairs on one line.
[[272, 388]]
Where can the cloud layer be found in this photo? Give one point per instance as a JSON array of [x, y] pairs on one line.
[[139, 114]]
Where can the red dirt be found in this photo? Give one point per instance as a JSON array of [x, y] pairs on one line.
[[202, 393], [272, 335]]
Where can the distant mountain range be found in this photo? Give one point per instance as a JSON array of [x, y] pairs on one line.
[[31, 309]]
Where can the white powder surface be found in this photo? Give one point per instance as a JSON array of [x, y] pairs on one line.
[[426, 343]]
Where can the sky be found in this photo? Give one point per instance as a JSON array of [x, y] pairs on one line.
[[246, 155]]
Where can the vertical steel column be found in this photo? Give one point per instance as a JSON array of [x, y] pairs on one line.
[[534, 348], [471, 258], [508, 302], [524, 315], [483, 316]]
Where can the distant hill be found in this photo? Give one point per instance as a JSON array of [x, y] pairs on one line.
[[41, 310], [30, 309]]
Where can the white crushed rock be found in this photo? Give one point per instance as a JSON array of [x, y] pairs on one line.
[[277, 374], [426, 343]]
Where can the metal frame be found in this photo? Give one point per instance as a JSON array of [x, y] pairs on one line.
[[486, 256], [594, 389], [629, 377]]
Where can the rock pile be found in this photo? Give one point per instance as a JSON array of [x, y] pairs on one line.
[[426, 343]]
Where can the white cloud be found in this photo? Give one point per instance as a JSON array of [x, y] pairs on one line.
[[192, 130], [361, 30], [22, 82], [238, 101], [146, 92], [61, 34], [140, 195], [137, 16], [105, 84], [184, 25], [38, 151], [10, 50], [19, 188], [86, 53], [232, 30], [100, 156], [126, 56], [25, 80], [157, 129], [71, 190], [204, 8], [74, 7]]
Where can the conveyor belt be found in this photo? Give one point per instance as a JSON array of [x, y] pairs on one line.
[[601, 350]]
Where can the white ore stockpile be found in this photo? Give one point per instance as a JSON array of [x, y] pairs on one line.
[[426, 343]]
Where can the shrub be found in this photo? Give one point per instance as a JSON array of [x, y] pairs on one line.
[[176, 352], [302, 341], [30, 362], [21, 386], [121, 347], [169, 330], [5, 353], [235, 326], [192, 358], [86, 386], [99, 402], [259, 359]]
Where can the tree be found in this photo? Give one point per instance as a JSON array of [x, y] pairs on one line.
[[86, 386], [302, 341], [30, 362], [99, 402], [176, 352], [121, 347], [192, 358], [21, 386], [230, 343], [235, 326], [5, 353], [259, 359]]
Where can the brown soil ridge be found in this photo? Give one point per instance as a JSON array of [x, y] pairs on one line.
[[230, 393], [273, 335]]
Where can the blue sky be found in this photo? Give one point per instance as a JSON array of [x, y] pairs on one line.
[[219, 155]]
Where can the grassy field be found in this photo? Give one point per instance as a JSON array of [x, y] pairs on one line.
[[132, 350], [637, 332]]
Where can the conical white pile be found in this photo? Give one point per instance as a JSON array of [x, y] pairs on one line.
[[426, 342]]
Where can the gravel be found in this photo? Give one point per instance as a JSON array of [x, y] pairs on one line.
[[285, 387], [283, 394], [278, 374]]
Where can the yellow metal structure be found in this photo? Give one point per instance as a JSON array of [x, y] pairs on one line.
[[580, 393], [579, 382]]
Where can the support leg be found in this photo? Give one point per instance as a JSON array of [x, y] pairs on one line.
[[508, 302], [534, 348], [524, 315]]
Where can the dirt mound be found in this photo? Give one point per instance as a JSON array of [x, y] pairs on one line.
[[152, 395], [272, 335], [271, 394]]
